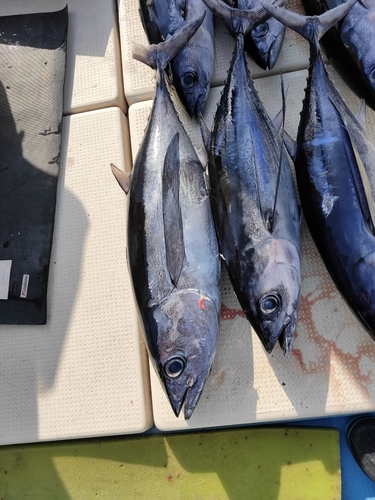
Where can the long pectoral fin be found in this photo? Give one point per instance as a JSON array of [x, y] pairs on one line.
[[364, 192], [172, 218], [364, 152], [361, 115]]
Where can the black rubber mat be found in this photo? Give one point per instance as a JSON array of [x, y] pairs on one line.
[[32, 70]]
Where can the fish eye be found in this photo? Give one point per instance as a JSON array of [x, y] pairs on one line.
[[372, 75], [269, 303], [174, 367], [261, 29], [189, 79]]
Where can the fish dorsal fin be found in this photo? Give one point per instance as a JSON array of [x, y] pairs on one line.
[[123, 178], [172, 218], [239, 20], [309, 26], [162, 53]]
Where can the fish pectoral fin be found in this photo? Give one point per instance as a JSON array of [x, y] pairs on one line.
[[172, 218], [291, 145], [202, 156], [205, 133], [361, 115], [123, 178], [364, 193], [278, 120]]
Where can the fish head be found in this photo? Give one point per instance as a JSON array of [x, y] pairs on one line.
[[188, 325], [275, 293], [192, 71], [265, 42]]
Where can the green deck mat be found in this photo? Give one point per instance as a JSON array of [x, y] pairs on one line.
[[251, 464]]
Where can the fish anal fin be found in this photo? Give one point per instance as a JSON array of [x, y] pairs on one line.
[[172, 218]]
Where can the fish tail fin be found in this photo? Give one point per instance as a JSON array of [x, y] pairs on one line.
[[239, 20], [309, 27], [162, 53]]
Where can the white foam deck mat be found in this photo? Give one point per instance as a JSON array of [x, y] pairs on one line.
[[139, 79], [85, 373], [93, 72], [332, 366]]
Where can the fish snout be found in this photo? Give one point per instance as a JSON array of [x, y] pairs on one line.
[[286, 337]]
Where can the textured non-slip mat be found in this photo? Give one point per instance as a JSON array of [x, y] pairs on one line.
[[85, 372], [93, 67], [256, 464], [32, 70]]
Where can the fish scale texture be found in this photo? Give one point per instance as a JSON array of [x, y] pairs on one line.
[[93, 77], [331, 370], [139, 81], [85, 372]]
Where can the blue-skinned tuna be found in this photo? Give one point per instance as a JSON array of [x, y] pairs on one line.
[[335, 165], [253, 198], [192, 68], [172, 246], [263, 43], [350, 45]]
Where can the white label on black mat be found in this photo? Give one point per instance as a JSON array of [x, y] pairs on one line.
[[25, 285], [5, 266]]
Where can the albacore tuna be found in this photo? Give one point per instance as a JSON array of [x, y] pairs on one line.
[[263, 42], [192, 68], [253, 198], [335, 174], [172, 246], [350, 44]]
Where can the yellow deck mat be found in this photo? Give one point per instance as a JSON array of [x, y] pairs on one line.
[[252, 464]]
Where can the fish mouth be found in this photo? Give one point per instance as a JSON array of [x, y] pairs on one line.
[[195, 110], [188, 400], [285, 337]]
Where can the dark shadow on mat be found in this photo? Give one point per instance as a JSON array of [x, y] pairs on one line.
[[29, 355]]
